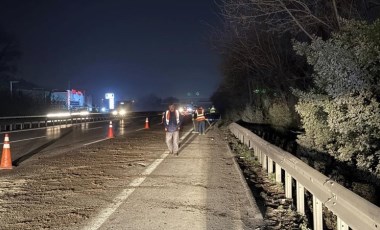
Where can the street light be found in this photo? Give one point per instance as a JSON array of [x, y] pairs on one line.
[[11, 84]]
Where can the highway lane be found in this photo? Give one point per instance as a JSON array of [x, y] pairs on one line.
[[63, 138]]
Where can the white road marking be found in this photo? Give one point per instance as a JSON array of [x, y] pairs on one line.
[[90, 143], [139, 129], [123, 195], [28, 139]]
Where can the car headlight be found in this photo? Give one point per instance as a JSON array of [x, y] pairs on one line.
[[114, 112], [122, 112]]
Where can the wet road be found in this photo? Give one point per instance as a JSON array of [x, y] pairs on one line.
[[58, 139]]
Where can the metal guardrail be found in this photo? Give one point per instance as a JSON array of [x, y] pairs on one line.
[[352, 211], [28, 122]]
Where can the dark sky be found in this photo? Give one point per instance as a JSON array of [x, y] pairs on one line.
[[132, 48]]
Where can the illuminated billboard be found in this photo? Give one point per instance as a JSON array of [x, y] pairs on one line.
[[111, 100]]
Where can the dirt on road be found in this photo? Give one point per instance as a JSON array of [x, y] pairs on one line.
[[63, 191]]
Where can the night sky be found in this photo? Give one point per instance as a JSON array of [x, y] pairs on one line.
[[132, 48]]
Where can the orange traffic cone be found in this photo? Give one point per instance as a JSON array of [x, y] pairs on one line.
[[6, 159], [146, 123], [110, 131]]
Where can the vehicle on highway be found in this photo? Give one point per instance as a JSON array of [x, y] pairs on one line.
[[122, 108], [186, 109]]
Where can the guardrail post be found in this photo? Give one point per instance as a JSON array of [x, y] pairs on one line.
[[317, 214], [288, 185], [270, 165], [278, 173], [259, 156], [340, 224], [264, 161], [301, 198], [10, 127]]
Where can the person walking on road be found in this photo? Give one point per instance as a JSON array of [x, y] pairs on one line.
[[194, 118], [201, 120], [172, 127]]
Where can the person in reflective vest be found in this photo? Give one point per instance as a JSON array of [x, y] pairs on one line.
[[172, 127], [201, 120], [212, 110]]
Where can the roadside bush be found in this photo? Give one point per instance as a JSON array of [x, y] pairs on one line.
[[280, 115], [341, 113], [253, 114]]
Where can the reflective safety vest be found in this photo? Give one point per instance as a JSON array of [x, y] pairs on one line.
[[200, 115], [167, 118]]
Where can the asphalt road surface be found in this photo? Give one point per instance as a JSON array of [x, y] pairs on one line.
[[84, 181], [62, 138]]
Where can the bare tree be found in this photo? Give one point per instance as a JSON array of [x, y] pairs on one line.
[[281, 16], [9, 53]]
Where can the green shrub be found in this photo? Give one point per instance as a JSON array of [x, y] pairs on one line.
[[341, 113]]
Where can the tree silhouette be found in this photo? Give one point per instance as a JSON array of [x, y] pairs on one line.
[[9, 54]]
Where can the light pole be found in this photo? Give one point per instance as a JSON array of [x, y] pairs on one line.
[[11, 84]]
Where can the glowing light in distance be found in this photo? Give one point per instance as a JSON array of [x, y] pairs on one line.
[[65, 114], [81, 113], [122, 112], [84, 113]]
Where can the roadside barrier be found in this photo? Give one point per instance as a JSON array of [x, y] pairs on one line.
[[146, 123], [110, 131], [351, 210], [9, 124], [6, 159]]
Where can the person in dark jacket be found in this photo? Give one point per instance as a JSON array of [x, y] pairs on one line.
[[172, 127]]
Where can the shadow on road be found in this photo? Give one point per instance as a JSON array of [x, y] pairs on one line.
[[39, 149]]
